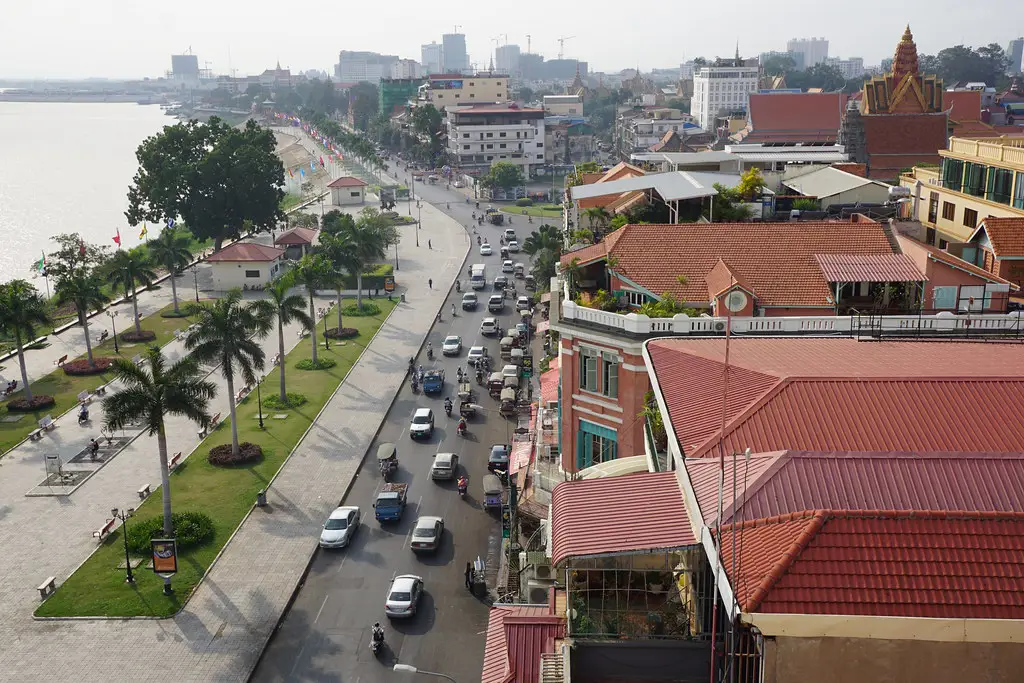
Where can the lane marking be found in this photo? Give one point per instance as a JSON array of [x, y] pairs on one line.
[[320, 611]]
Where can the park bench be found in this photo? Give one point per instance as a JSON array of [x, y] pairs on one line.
[[35, 434], [46, 588], [178, 334], [203, 431], [104, 530], [84, 397], [60, 361], [47, 423], [144, 491], [101, 390], [172, 464]]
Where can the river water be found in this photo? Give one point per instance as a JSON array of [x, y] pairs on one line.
[[66, 168]]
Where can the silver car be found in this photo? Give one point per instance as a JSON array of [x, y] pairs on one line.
[[426, 535], [340, 527], [403, 595], [445, 466]]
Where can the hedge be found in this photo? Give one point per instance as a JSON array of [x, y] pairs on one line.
[[373, 279], [191, 529]]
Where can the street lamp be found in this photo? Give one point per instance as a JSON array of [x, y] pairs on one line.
[[405, 668], [123, 515], [259, 401], [195, 279], [327, 343], [111, 315], [396, 254], [418, 219]]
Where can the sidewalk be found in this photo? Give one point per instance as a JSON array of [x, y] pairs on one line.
[[224, 627]]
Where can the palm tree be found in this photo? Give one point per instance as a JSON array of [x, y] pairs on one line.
[[153, 390], [311, 271], [224, 333], [22, 309], [170, 250], [368, 244], [83, 288], [286, 306], [343, 255], [598, 218], [545, 237], [129, 269]]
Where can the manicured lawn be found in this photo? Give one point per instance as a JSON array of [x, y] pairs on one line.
[[538, 211], [65, 388], [225, 494], [290, 201]]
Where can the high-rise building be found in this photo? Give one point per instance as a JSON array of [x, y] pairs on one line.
[[849, 68], [432, 58], [1015, 52], [185, 68], [357, 66], [814, 50], [456, 59], [406, 68], [722, 89], [506, 60]]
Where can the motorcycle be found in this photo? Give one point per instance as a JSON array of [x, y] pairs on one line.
[[479, 376], [415, 385], [385, 471], [463, 486], [461, 429], [83, 415], [430, 353], [376, 638], [458, 286], [448, 407]]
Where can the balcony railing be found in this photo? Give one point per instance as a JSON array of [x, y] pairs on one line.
[[1009, 151], [940, 324]]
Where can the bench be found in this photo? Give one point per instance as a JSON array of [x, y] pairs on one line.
[[178, 334], [84, 397], [60, 361], [35, 434], [276, 360], [203, 431], [104, 530], [144, 491], [101, 390], [47, 423], [171, 465], [46, 588]]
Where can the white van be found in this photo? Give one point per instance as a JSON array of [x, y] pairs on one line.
[[478, 278]]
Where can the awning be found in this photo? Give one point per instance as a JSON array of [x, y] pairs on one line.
[[545, 297], [868, 268], [522, 451], [549, 382], [543, 326]]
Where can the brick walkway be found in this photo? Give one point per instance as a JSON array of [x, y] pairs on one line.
[[222, 630]]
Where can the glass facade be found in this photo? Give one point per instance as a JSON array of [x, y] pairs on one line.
[[1018, 193], [991, 183], [595, 444], [953, 174]]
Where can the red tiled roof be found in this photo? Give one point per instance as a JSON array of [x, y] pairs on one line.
[[775, 260], [246, 251], [962, 105], [946, 565], [632, 512], [842, 395], [516, 638], [771, 484], [1006, 235], [346, 181], [617, 172], [549, 381], [297, 236], [868, 268], [945, 257], [795, 117]]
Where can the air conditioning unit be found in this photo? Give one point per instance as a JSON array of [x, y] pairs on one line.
[[537, 592], [720, 326], [543, 572]]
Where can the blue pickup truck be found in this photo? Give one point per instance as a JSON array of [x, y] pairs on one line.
[[433, 381], [390, 503]]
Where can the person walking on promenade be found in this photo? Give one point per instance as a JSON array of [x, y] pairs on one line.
[[430, 283], [469, 576], [429, 245]]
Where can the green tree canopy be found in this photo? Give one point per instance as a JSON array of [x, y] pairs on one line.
[[504, 175], [73, 253], [22, 311], [364, 103], [334, 222]]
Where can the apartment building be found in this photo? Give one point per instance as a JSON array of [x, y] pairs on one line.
[[432, 58], [722, 89], [454, 89], [812, 50], [355, 66], [849, 68], [483, 134]]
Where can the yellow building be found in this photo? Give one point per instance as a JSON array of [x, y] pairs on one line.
[[447, 90], [978, 178]]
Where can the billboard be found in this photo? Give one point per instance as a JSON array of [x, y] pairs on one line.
[[446, 84]]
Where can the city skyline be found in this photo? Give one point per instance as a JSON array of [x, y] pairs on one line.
[[248, 43]]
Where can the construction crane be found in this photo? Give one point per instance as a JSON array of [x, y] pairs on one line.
[[561, 45]]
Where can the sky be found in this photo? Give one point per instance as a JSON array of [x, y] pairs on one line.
[[133, 39]]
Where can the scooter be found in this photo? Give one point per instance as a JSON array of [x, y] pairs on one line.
[[463, 486], [448, 408], [479, 376], [461, 429], [415, 385], [83, 415], [430, 353], [376, 640]]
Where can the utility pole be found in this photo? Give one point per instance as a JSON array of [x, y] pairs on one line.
[[561, 45]]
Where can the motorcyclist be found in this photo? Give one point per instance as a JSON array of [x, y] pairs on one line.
[[448, 406], [453, 310], [462, 425], [83, 414], [412, 365], [479, 375], [478, 239], [378, 633], [463, 484], [430, 350], [458, 286], [501, 241], [459, 373]]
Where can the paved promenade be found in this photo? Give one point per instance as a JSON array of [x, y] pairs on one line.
[[220, 633]]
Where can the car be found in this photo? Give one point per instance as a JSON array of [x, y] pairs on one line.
[[469, 301], [476, 354], [422, 423], [523, 303], [501, 282], [510, 370], [513, 247], [489, 326], [452, 345], [496, 303], [426, 535], [507, 266], [403, 596], [485, 249], [510, 235], [498, 459], [445, 466], [340, 527]]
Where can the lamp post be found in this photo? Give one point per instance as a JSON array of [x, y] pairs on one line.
[[396, 254], [123, 515], [405, 668], [195, 280], [418, 218], [412, 188], [327, 342], [113, 329], [259, 400]]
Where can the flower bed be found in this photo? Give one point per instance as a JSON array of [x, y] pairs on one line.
[[368, 308], [133, 337], [23, 405], [321, 364], [275, 402], [82, 368], [223, 457], [343, 333]]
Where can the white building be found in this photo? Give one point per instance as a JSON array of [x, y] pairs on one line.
[[814, 50], [406, 68], [347, 190], [432, 57], [718, 89], [1015, 53], [358, 66], [686, 71], [245, 264], [849, 68], [638, 134], [506, 60], [456, 59], [478, 136]]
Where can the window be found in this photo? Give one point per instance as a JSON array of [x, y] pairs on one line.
[[943, 244], [974, 179], [944, 298], [609, 375], [501, 146], [465, 147], [490, 135], [471, 83], [489, 157], [588, 369], [353, 194], [1018, 193], [933, 206], [595, 444], [472, 94], [456, 96], [465, 135], [252, 273], [540, 144], [501, 135], [970, 218], [948, 211], [489, 146], [952, 174], [1000, 184], [635, 298]]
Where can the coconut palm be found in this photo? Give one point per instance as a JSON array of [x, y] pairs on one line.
[[22, 310], [82, 288], [152, 391], [545, 237], [598, 218], [311, 271], [170, 250], [285, 306], [369, 241], [129, 269], [226, 333], [343, 255]]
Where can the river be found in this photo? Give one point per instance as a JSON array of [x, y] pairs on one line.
[[66, 168]]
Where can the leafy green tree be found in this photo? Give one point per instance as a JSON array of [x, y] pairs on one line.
[[335, 222], [72, 253], [303, 220], [503, 175], [212, 175], [152, 391], [127, 270], [227, 333], [617, 221], [22, 310], [364, 103], [170, 250], [83, 288], [285, 306], [779, 65], [666, 307], [526, 95], [598, 218], [751, 184], [311, 271], [545, 237]]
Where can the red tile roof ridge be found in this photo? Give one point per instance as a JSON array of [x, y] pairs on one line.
[[788, 557]]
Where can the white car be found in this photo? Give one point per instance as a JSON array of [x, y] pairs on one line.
[[489, 326], [507, 266], [513, 247], [510, 371], [426, 535], [452, 345], [485, 249], [403, 595], [476, 354], [340, 527], [523, 303], [422, 423]]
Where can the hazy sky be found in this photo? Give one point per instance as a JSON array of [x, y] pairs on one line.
[[133, 38]]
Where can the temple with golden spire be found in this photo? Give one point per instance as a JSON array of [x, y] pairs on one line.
[[904, 90]]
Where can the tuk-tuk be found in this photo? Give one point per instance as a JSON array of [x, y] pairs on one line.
[[465, 391], [495, 383], [517, 336], [467, 409], [387, 459], [492, 491], [510, 382], [519, 270], [508, 402], [531, 283], [516, 357], [504, 253], [506, 346]]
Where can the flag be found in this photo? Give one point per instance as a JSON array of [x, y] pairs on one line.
[[144, 232], [312, 166], [302, 172], [117, 237], [322, 162], [290, 174], [40, 265]]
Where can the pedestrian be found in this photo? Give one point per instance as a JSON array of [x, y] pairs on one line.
[[469, 576], [94, 448], [429, 246], [430, 284]]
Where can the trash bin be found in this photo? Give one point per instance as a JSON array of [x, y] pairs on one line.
[[402, 297], [261, 498]]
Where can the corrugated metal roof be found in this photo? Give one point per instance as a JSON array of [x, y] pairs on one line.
[[634, 512], [868, 268], [673, 186], [777, 483], [826, 182], [516, 638], [549, 381], [788, 155], [942, 565]]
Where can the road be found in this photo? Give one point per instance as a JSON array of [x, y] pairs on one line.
[[325, 635]]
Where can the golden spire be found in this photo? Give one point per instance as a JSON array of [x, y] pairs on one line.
[[905, 60]]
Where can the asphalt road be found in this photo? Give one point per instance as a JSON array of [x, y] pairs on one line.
[[325, 635]]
